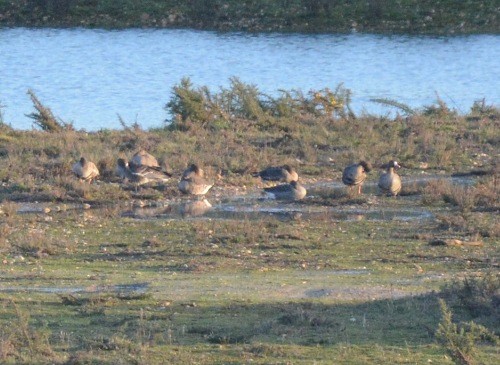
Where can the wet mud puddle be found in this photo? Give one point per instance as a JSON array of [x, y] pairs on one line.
[[253, 206]]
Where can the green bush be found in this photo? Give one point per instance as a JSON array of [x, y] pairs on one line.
[[460, 340], [244, 102], [480, 296]]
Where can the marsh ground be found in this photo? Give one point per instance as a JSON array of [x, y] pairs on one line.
[[109, 273], [330, 278]]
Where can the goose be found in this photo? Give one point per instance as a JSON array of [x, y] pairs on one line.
[[193, 181], [390, 181], [152, 172], [284, 173], [194, 185], [291, 191], [143, 158], [123, 170], [193, 170], [140, 175], [355, 174], [85, 170]]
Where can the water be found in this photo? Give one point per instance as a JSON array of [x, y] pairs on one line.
[[252, 206], [89, 77]]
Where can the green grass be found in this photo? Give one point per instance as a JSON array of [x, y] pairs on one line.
[[343, 282], [226, 291]]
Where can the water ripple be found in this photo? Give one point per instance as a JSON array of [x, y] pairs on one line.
[[88, 76]]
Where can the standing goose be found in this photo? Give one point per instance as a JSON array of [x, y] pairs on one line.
[[192, 181], [291, 191], [85, 170], [355, 174], [284, 173], [143, 158], [390, 181]]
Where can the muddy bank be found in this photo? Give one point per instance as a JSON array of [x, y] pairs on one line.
[[251, 204]]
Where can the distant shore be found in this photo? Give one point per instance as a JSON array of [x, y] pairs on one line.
[[312, 16]]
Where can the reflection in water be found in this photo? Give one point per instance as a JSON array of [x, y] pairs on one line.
[[195, 208], [253, 207], [190, 208], [148, 212]]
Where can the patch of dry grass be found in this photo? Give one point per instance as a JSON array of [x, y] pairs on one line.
[[476, 205]]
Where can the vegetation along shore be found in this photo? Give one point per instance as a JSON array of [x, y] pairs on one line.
[[375, 16]]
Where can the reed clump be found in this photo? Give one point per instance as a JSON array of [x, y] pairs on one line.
[[25, 343], [473, 203]]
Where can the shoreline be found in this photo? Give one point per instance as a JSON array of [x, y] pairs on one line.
[[260, 16]]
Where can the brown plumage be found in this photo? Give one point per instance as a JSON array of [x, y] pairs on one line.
[[192, 171], [193, 181], [355, 174], [85, 170], [123, 170], [143, 158], [283, 173], [390, 181], [291, 191], [140, 175]]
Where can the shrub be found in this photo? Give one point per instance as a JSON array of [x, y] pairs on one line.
[[460, 340], [480, 296], [44, 117], [23, 343], [189, 103]]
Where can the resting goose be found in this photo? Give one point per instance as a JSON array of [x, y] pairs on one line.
[[143, 158], [85, 170], [192, 181], [291, 191], [140, 175], [283, 173]]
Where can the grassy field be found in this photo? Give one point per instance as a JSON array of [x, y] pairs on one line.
[[386, 16], [107, 274]]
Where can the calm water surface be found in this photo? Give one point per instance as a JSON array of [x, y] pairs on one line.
[[89, 77]]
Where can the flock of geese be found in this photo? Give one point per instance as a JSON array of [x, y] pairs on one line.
[[143, 168]]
